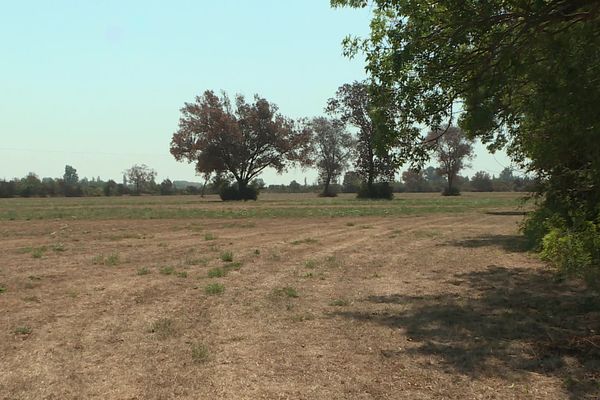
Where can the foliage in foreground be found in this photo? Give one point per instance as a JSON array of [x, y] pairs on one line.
[[524, 75]]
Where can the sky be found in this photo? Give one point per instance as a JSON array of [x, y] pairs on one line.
[[98, 84]]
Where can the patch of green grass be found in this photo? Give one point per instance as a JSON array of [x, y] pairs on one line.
[[200, 353], [257, 252], [182, 274], [38, 252], [58, 247], [305, 241], [34, 278], [287, 291], [310, 264], [216, 272], [2, 289], [23, 330], [240, 225], [233, 266], [163, 328], [167, 270], [112, 259], [209, 236], [195, 261], [73, 293], [143, 271], [350, 224], [214, 288], [227, 256], [136, 208], [339, 303]]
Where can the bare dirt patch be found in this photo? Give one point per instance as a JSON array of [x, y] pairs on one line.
[[446, 306]]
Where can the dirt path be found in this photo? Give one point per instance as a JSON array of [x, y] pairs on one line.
[[439, 307]]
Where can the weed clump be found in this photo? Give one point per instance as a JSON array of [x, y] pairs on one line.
[[200, 353], [214, 288], [163, 328], [227, 256]]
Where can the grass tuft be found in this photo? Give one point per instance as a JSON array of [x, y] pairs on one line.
[[38, 252], [209, 236], [163, 328], [287, 291], [217, 272], [214, 288], [234, 266], [143, 271], [58, 247], [339, 303], [167, 270], [227, 256], [23, 330], [200, 353]]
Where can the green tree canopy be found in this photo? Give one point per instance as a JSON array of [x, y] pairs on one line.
[[517, 74]]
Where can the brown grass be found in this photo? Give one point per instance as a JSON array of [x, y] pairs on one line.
[[446, 306]]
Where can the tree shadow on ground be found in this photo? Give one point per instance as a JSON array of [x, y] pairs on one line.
[[505, 323], [511, 243]]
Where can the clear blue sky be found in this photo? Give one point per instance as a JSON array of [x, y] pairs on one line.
[[98, 84]]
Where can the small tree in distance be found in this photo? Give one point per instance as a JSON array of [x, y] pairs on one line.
[[452, 150], [70, 177], [141, 176], [482, 182], [239, 140], [332, 150]]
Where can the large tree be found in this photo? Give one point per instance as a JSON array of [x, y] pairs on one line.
[[523, 75], [353, 105], [452, 150], [332, 150], [239, 139]]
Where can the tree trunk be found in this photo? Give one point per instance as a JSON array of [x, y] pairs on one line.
[[326, 188]]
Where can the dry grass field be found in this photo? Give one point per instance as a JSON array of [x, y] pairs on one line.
[[289, 297]]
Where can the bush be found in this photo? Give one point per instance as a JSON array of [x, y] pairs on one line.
[[229, 193], [451, 192], [575, 251], [381, 190]]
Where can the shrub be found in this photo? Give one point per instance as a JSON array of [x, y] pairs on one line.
[[451, 192], [381, 190], [575, 251], [229, 193]]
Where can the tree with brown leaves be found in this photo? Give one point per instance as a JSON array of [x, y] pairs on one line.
[[240, 140]]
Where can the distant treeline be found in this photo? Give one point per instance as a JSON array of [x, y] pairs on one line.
[[427, 180]]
